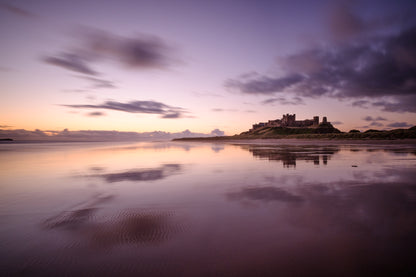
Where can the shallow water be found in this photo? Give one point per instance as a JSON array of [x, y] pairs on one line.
[[200, 209]]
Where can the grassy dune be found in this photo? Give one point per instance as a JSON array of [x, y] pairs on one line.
[[309, 133]]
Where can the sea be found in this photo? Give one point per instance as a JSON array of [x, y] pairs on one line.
[[262, 208]]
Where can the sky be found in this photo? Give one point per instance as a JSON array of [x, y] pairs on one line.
[[205, 66]]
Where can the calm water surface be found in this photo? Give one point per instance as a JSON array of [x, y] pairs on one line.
[[200, 209]]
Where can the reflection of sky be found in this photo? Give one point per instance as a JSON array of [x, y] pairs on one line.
[[171, 201]]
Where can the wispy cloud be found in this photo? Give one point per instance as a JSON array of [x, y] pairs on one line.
[[399, 125], [98, 82], [370, 118], [376, 124], [223, 110], [145, 107], [16, 10], [95, 114], [72, 62], [284, 101]]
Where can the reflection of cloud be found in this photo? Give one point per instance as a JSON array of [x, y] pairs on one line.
[[77, 217], [265, 194], [133, 228], [142, 174], [128, 227], [217, 147]]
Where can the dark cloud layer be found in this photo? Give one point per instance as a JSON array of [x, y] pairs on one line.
[[146, 107], [374, 68]]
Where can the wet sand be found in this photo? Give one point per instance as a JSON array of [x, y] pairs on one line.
[[296, 141]]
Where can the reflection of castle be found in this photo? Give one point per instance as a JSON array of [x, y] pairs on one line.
[[289, 120], [289, 155]]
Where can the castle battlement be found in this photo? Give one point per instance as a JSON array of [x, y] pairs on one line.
[[289, 121]]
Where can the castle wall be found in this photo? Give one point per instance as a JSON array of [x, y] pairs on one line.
[[289, 120]]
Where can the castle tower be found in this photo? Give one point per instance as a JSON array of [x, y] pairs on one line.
[[316, 120], [324, 119]]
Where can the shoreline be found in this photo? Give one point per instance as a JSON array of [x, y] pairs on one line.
[[289, 141]]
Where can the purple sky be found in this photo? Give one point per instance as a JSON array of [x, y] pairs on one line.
[[142, 66]]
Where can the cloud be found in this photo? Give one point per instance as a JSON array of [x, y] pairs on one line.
[[284, 101], [98, 83], [94, 114], [16, 10], [217, 132], [72, 62], [344, 23], [376, 124], [264, 84], [401, 104], [337, 122], [361, 104], [380, 69], [223, 110], [5, 126], [93, 45], [146, 107], [370, 118], [399, 125], [142, 51]]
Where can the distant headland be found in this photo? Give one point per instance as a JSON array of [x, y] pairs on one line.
[[288, 127]]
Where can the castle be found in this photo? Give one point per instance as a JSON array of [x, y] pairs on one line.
[[289, 121]]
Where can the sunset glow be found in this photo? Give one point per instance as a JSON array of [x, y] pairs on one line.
[[205, 65]]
